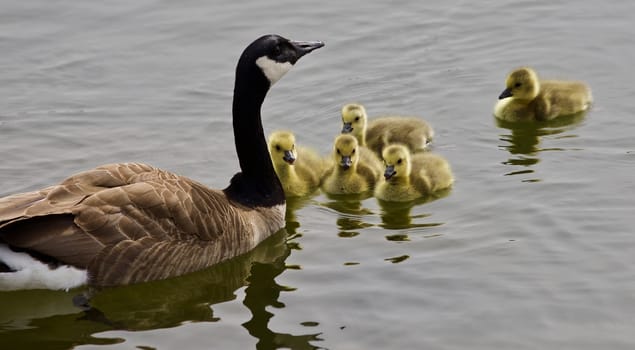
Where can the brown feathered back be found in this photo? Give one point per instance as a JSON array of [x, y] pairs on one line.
[[129, 223]]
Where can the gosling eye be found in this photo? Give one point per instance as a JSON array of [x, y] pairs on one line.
[[277, 147], [518, 84], [338, 151], [353, 151], [399, 161], [356, 119]]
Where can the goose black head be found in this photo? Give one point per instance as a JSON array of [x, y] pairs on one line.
[[275, 55]]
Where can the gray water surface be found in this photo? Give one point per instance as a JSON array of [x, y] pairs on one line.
[[531, 249]]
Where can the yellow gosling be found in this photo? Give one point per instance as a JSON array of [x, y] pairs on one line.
[[413, 132], [528, 98], [353, 169], [298, 168], [408, 177]]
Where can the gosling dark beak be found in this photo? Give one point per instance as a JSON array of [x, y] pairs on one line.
[[346, 162], [288, 157], [506, 93], [304, 47], [348, 127], [389, 172]]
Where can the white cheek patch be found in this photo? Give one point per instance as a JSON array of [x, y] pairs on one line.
[[273, 70]]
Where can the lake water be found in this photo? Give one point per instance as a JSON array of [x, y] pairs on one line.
[[533, 248]]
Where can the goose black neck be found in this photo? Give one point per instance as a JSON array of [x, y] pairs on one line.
[[257, 183]]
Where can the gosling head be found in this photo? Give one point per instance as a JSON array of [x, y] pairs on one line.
[[345, 151], [274, 55], [397, 162], [353, 119], [282, 147], [521, 84]]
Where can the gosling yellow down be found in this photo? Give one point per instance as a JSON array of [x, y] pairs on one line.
[[527, 98], [298, 168], [381, 132], [353, 169], [411, 176]]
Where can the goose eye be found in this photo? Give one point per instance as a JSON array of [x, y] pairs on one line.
[[353, 151], [356, 119], [277, 147], [517, 85], [277, 50], [338, 151], [399, 161]]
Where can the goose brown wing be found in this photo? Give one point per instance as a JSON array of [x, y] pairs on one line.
[[111, 217]]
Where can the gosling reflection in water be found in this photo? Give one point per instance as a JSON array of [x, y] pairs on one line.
[[354, 217], [397, 215], [351, 212], [523, 143]]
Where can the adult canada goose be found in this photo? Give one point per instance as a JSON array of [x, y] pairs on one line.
[[127, 223], [298, 168], [380, 132], [408, 177], [353, 169], [527, 98]]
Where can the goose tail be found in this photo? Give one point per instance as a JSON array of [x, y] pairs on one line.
[[19, 270]]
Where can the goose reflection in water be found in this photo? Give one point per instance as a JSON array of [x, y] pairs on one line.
[[523, 141], [294, 204], [154, 305]]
